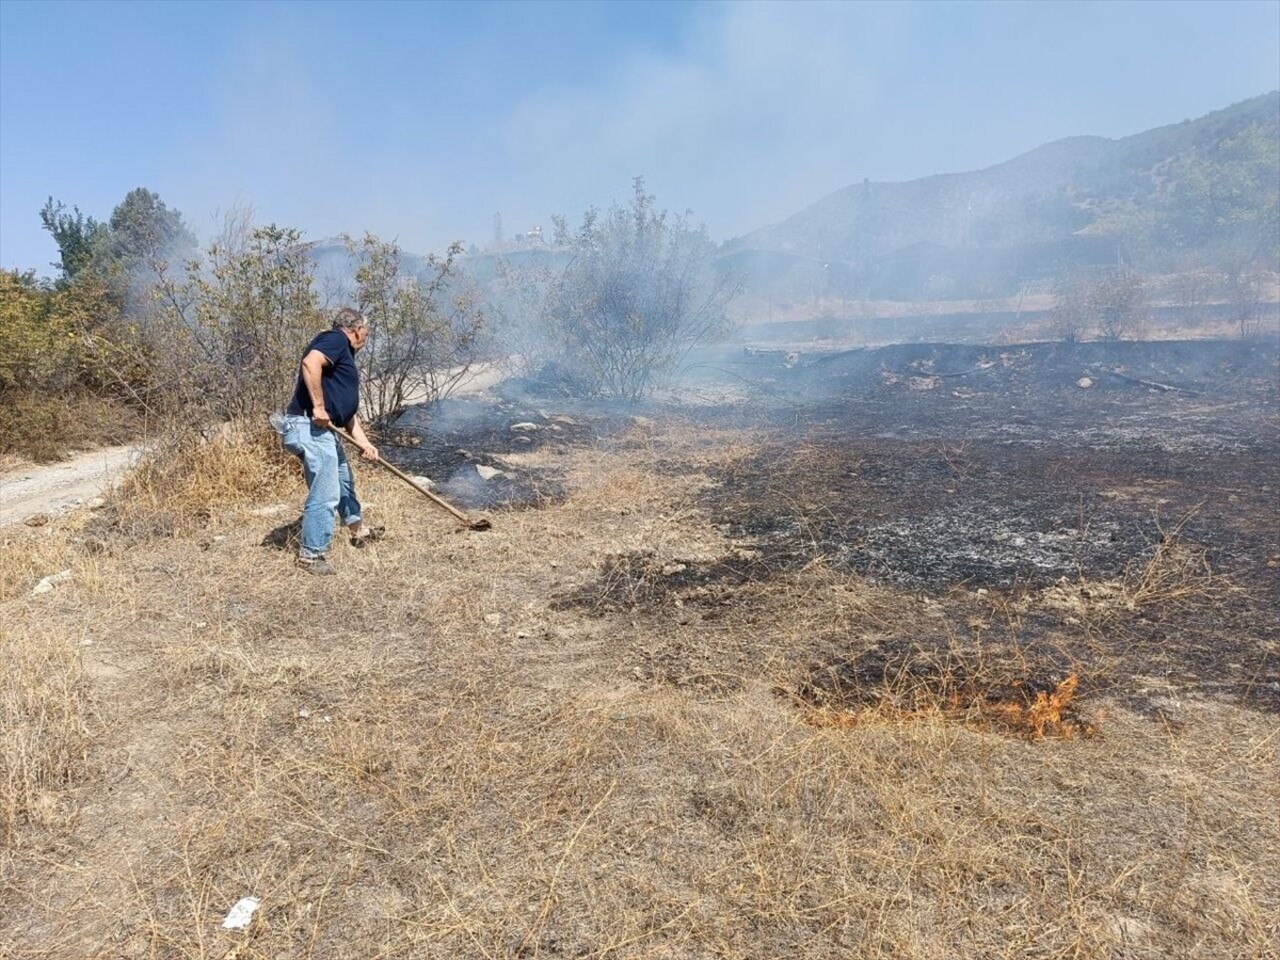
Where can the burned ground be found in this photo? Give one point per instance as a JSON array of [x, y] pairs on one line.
[[465, 433], [1155, 489]]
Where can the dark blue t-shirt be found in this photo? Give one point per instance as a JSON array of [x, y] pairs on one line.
[[339, 381]]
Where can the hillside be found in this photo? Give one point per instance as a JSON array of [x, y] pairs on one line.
[[1201, 192]]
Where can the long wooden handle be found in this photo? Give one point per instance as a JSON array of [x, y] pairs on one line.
[[438, 501]]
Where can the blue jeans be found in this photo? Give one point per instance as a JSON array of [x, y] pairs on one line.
[[330, 483]]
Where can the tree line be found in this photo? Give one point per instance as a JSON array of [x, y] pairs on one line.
[[142, 326]]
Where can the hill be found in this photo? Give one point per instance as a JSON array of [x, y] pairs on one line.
[[1198, 193]]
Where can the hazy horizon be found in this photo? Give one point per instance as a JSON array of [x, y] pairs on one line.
[[419, 122]]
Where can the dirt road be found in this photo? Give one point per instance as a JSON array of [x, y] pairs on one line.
[[57, 487]]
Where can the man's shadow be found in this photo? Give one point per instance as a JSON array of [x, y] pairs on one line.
[[287, 537]]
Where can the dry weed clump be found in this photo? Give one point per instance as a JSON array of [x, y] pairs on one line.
[[186, 476], [27, 555], [954, 684], [1176, 574], [45, 732], [48, 428]]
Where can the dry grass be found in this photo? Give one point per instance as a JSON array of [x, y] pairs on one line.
[[427, 759], [1176, 574], [27, 555], [43, 428], [45, 733], [185, 477]]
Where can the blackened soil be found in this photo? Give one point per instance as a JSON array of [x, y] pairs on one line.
[[1011, 477], [936, 514], [635, 581], [931, 465], [448, 442]]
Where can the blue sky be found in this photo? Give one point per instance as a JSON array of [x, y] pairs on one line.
[[420, 121]]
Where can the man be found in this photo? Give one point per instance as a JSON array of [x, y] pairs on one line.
[[327, 393]]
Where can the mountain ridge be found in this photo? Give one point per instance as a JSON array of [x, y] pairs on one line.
[[1157, 196]]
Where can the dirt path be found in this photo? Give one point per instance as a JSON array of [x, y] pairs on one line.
[[51, 489]]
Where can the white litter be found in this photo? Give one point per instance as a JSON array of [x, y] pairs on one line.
[[1084, 383], [48, 583], [241, 915]]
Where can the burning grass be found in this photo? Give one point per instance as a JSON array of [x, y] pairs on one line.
[[965, 686]]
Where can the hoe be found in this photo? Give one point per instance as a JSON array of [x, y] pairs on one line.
[[471, 523]]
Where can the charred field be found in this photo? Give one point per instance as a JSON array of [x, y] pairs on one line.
[[1113, 503], [925, 651]]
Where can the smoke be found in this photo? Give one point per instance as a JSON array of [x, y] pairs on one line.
[[420, 126], [754, 112], [287, 136]]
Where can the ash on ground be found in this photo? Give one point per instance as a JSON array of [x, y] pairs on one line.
[[460, 444]]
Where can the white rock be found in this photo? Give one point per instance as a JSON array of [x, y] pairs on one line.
[[48, 583], [525, 427], [241, 915], [487, 473], [425, 482], [1084, 383]]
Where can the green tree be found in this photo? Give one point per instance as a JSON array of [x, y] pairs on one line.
[[1107, 299], [226, 331], [76, 235], [36, 338], [142, 231], [637, 294], [129, 251], [427, 332], [1226, 196]]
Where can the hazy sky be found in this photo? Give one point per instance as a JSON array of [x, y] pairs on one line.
[[419, 121]]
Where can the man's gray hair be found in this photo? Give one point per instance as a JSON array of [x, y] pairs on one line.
[[349, 318]]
